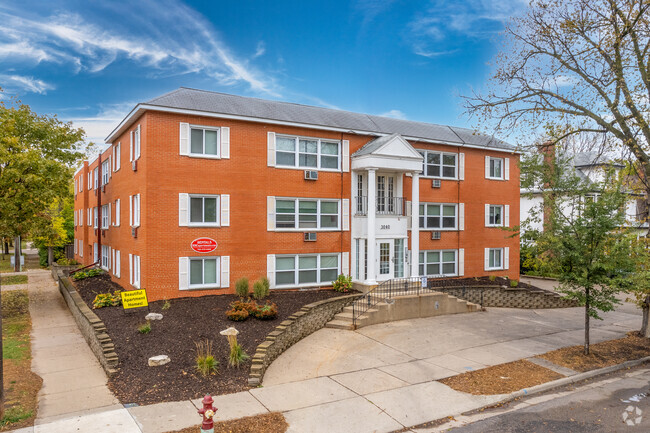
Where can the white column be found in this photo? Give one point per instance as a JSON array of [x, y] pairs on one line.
[[415, 225], [372, 208]]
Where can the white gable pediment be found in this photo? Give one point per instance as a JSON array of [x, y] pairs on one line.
[[390, 151]]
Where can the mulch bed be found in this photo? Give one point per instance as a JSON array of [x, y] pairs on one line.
[[502, 378], [477, 281], [604, 354], [267, 423], [189, 320]]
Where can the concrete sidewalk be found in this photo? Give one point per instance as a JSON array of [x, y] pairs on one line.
[[378, 379]]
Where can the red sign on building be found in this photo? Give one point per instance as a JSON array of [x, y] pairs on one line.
[[204, 245]]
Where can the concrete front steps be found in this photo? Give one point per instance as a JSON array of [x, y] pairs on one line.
[[403, 307]]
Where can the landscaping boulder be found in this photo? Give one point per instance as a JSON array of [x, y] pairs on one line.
[[156, 361], [153, 316]]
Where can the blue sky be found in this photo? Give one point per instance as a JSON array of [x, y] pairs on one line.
[[91, 61]]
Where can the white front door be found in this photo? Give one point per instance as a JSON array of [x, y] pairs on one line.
[[385, 262]]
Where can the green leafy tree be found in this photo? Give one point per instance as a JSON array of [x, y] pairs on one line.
[[584, 241], [640, 280], [37, 155]]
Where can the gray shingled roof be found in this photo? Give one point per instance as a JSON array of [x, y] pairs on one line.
[[373, 145], [584, 159], [221, 103]]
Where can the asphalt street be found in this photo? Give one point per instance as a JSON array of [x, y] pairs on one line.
[[617, 403]]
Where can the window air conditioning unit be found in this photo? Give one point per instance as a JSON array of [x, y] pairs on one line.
[[310, 237], [435, 183], [134, 232], [435, 235], [311, 175], [134, 165]]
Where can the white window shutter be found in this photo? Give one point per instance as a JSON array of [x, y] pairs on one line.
[[345, 163], [109, 258], [506, 170], [487, 167], [461, 166], [271, 149], [131, 147], [137, 156], [118, 264], [183, 209], [183, 273], [225, 209], [487, 259], [345, 263], [225, 142], [110, 172], [225, 271], [113, 257], [139, 212], [270, 213], [131, 211], [409, 210], [130, 269], [346, 214], [110, 211], [117, 212], [506, 258], [506, 219], [118, 156], [487, 215], [461, 216], [113, 158], [461, 262], [270, 269]]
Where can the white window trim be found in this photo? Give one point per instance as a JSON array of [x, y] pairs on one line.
[[118, 156], [203, 155], [318, 154], [81, 248], [108, 258], [215, 285], [505, 168], [106, 171], [81, 183], [488, 252], [96, 177], [105, 217], [297, 215], [189, 210], [296, 270], [135, 270], [135, 207], [487, 215], [441, 229], [424, 163], [95, 217], [442, 275]]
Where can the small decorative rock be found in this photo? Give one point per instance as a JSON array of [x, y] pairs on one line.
[[155, 361], [153, 316], [231, 335]]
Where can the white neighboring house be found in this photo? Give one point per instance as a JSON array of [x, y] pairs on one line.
[[590, 166]]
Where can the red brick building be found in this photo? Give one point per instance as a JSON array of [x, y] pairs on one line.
[[296, 193]]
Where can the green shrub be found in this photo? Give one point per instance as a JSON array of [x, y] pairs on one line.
[[492, 277], [241, 287], [80, 275], [261, 288], [107, 300], [166, 305], [206, 363], [250, 306], [514, 283], [237, 355], [14, 303], [145, 328], [267, 312], [343, 284], [237, 315], [64, 261]]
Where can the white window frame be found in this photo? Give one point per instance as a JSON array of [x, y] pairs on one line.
[[135, 143], [318, 214], [95, 217], [441, 216], [105, 258], [488, 219], [117, 264], [81, 183], [319, 154], [90, 180], [81, 248], [424, 171], [489, 168], [96, 177], [117, 156], [135, 270], [95, 253], [204, 155], [217, 223], [105, 217], [215, 285], [423, 265], [135, 210], [116, 221], [106, 171], [296, 269], [490, 265]]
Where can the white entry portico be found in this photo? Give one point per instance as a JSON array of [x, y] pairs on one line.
[[382, 216]]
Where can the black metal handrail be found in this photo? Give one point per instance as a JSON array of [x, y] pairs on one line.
[[385, 292]]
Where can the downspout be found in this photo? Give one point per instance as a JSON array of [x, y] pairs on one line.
[[99, 210]]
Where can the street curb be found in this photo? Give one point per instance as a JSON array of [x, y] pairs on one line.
[[568, 380]]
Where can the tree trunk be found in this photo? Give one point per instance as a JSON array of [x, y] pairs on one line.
[[50, 256], [6, 246], [587, 321], [17, 254], [645, 328]]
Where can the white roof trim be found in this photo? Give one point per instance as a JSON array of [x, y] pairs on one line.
[[124, 124]]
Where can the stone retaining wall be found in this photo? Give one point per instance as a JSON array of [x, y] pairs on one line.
[[508, 297], [55, 268], [305, 321], [91, 326]]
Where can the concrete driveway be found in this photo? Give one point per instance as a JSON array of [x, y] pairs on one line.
[[392, 355]]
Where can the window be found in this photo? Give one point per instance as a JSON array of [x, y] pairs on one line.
[[135, 270], [106, 167], [306, 152], [306, 214], [439, 164], [116, 222], [306, 269], [360, 198], [495, 258], [117, 263], [81, 183], [117, 156], [95, 252], [81, 248], [204, 210], [204, 141], [96, 177], [495, 215], [204, 272], [75, 218], [135, 210], [105, 216], [90, 184], [96, 217], [74, 243], [440, 263], [105, 254], [438, 216], [135, 144], [495, 167]]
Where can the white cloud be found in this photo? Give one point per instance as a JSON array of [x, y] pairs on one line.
[[15, 83], [98, 126], [395, 114], [260, 50], [164, 36]]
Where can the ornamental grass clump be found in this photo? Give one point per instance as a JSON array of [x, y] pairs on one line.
[[206, 363], [145, 328], [261, 288], [514, 283], [237, 355], [241, 287]]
